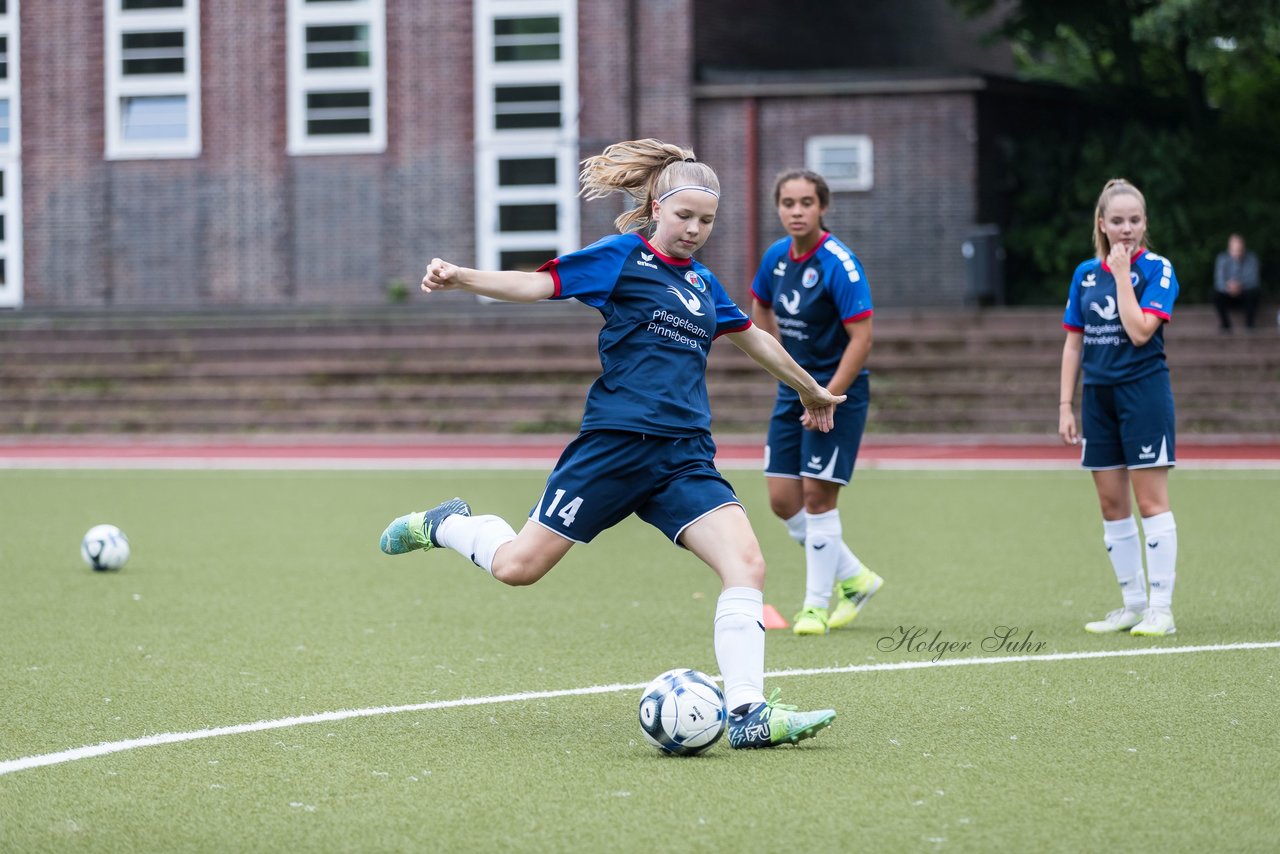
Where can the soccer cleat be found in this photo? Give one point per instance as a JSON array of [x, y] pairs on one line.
[[851, 595], [1119, 620], [811, 621], [417, 530], [771, 723], [1155, 623]]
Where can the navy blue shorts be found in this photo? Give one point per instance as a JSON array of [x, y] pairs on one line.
[[792, 451], [1129, 425], [604, 476]]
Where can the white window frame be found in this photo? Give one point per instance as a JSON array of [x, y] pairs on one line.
[[11, 167], [560, 144], [119, 86], [303, 80], [817, 150]]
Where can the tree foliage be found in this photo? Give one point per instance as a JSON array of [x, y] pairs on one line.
[[1185, 101]]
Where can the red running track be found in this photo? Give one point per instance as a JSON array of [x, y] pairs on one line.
[[427, 452]]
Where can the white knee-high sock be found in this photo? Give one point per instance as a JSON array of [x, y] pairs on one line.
[[1161, 534], [739, 641], [849, 565], [476, 538], [821, 557], [796, 527], [1125, 551]]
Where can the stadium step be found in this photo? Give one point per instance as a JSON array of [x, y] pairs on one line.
[[518, 369]]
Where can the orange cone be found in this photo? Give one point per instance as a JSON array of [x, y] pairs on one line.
[[774, 620]]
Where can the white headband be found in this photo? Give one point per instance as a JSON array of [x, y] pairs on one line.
[[697, 187]]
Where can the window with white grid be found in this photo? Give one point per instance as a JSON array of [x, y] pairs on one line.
[[10, 160], [526, 69], [152, 78], [337, 101]]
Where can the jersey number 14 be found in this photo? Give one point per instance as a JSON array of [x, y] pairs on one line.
[[568, 511]]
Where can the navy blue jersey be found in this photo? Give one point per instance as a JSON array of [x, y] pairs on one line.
[[660, 316], [1109, 355], [813, 297]]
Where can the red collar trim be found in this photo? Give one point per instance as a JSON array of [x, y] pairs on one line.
[[806, 256], [674, 262]]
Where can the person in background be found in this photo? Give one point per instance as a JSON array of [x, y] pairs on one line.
[[811, 291], [1235, 284], [1117, 306], [645, 444]]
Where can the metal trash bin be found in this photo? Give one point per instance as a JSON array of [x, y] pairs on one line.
[[983, 255]]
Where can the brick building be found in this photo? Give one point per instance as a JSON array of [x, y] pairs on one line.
[[193, 153]]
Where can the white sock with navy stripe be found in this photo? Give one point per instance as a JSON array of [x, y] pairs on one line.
[[1161, 535], [821, 557], [477, 538], [739, 641], [1125, 551]]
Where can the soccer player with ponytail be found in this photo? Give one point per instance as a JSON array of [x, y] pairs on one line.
[[645, 443], [1118, 304]]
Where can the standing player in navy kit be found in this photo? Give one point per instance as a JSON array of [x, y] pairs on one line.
[[645, 444], [812, 292], [1116, 310]]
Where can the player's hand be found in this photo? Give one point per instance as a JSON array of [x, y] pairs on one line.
[[820, 409], [1067, 426], [441, 275], [1118, 261]]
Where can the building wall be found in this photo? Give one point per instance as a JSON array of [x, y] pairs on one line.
[[428, 172], [636, 82], [242, 223], [65, 186], [907, 230], [246, 224], [238, 188]]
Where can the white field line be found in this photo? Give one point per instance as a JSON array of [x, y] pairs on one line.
[[105, 748]]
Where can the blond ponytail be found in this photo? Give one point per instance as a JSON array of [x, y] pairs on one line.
[[644, 169]]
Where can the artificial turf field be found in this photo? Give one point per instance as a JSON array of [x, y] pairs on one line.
[[260, 597]]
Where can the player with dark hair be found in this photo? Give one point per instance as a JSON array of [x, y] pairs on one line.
[[645, 443], [1117, 306], [812, 292]]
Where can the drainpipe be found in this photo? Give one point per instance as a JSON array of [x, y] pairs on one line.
[[751, 165]]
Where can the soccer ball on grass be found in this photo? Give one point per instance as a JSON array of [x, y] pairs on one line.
[[682, 712], [104, 547]]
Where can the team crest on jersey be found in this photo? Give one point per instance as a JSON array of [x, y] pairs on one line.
[[810, 277], [694, 279]]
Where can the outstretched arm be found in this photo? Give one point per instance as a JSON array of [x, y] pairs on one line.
[[508, 285], [768, 353]]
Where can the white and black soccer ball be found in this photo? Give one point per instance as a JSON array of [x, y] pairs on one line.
[[104, 547], [682, 712]]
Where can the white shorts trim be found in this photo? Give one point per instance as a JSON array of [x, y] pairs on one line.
[[561, 534], [684, 527]]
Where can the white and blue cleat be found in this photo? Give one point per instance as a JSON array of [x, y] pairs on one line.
[[417, 530]]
